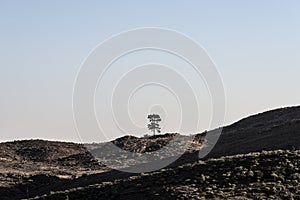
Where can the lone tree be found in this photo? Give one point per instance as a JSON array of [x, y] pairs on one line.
[[154, 123]]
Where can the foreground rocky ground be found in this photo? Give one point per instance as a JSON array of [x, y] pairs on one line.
[[265, 175]]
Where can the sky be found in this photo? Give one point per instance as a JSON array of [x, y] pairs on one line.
[[254, 44]]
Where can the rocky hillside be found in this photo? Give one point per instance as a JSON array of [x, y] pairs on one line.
[[32, 167], [61, 170], [145, 150]]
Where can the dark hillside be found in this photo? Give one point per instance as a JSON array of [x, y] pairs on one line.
[[276, 129]]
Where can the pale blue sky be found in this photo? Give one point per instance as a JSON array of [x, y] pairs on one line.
[[255, 45]]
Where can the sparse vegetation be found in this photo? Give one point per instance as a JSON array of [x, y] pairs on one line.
[[265, 175]]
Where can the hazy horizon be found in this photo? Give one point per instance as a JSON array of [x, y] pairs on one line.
[[163, 132]]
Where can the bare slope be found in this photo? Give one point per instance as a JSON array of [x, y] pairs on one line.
[[276, 129]]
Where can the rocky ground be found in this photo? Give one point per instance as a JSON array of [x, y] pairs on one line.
[[59, 170], [38, 161]]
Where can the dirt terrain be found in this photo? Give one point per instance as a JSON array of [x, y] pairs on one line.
[[60, 170]]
